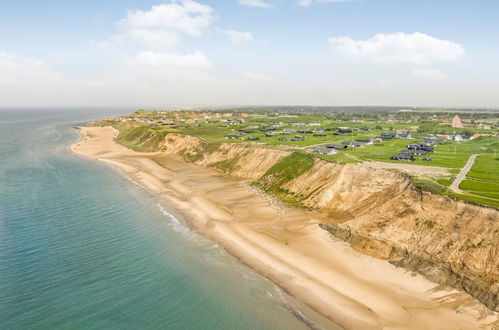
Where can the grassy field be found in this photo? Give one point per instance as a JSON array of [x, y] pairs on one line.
[[482, 181], [481, 185]]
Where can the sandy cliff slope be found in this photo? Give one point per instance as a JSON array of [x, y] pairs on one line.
[[451, 242]]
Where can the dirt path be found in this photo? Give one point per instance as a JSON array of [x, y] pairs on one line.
[[460, 177]]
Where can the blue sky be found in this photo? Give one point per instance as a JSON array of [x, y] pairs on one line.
[[275, 52]]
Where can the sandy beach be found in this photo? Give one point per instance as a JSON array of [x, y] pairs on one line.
[[287, 246]]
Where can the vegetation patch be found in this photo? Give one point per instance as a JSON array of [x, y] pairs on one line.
[[227, 166], [284, 171], [429, 186], [139, 137], [477, 199]]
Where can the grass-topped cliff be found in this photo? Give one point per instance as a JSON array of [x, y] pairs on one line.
[[481, 185], [381, 213]]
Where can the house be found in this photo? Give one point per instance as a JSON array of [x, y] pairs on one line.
[[231, 137], [407, 158], [377, 140], [336, 146], [483, 126], [420, 146], [324, 151], [406, 136], [283, 139], [458, 138], [387, 135], [365, 141], [321, 135], [444, 136], [357, 145], [411, 152], [365, 128], [428, 136], [253, 138], [344, 130], [246, 131], [298, 138]]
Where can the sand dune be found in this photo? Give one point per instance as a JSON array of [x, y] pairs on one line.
[[286, 246]]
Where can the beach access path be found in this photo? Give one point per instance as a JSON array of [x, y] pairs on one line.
[[460, 177]]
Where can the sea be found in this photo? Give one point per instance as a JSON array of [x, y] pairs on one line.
[[82, 247]]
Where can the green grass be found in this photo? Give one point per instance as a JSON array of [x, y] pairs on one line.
[[429, 186], [139, 137], [284, 171], [479, 185], [476, 199], [483, 178]]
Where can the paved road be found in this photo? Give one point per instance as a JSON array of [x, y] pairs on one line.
[[460, 177]]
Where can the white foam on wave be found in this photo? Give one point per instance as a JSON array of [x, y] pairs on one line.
[[174, 222]]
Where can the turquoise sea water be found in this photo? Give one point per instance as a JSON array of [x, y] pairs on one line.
[[81, 247]]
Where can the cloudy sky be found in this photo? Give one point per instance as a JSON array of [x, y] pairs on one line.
[[151, 53]]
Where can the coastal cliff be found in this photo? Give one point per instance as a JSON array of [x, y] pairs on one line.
[[379, 212], [382, 214]]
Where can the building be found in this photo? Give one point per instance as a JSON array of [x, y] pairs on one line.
[[231, 137], [456, 122], [407, 158], [406, 136], [336, 146], [412, 152], [324, 151], [387, 135]]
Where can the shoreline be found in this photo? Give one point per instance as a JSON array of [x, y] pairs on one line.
[[286, 245]]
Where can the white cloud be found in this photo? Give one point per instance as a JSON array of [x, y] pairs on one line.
[[431, 74], [385, 84], [164, 65], [238, 37], [400, 47], [255, 3], [162, 25], [306, 3], [28, 81], [15, 71], [257, 76]]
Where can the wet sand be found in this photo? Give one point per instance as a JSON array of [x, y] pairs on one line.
[[287, 246]]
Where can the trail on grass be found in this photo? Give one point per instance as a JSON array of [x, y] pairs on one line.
[[460, 177]]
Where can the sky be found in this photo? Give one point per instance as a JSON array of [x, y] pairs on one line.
[[153, 53]]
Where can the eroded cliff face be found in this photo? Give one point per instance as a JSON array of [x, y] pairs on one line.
[[379, 212], [245, 161]]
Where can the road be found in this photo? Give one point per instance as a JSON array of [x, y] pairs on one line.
[[460, 177]]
